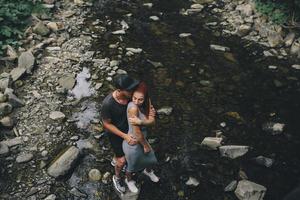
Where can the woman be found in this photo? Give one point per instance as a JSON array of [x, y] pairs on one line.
[[140, 156]]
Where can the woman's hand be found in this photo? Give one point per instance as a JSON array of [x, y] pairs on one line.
[[135, 121], [130, 139], [147, 148], [152, 111]]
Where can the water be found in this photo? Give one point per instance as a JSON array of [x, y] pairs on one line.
[[204, 88]]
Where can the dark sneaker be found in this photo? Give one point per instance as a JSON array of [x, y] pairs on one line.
[[117, 184]]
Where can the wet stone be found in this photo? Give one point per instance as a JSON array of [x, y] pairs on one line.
[[3, 149], [273, 128], [7, 122], [74, 191], [3, 97], [219, 48], [23, 158], [165, 111], [94, 175], [231, 186], [233, 151], [13, 142], [67, 82], [296, 67], [51, 197], [192, 182], [26, 60], [5, 109], [211, 143], [57, 115], [261, 160], [248, 190]]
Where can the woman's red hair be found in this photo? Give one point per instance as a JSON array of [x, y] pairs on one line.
[[142, 88]]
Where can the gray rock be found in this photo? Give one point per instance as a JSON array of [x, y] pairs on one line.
[[233, 151], [261, 160], [51, 197], [211, 142], [245, 9], [13, 99], [184, 35], [219, 48], [24, 157], [275, 39], [134, 50], [13, 142], [3, 149], [293, 66], [11, 53], [5, 81], [154, 18], [289, 39], [41, 29], [192, 181], [74, 191], [243, 30], [165, 111], [52, 26], [94, 175], [67, 82], [273, 128], [295, 49], [98, 86], [3, 97], [57, 115], [155, 64], [7, 122], [17, 73], [247, 190], [231, 186], [5, 109], [119, 32], [63, 164], [26, 60]]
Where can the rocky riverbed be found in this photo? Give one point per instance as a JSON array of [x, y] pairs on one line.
[[224, 81]]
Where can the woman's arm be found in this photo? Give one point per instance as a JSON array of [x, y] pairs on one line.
[[149, 121], [132, 113]]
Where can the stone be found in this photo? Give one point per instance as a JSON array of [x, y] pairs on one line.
[[51, 197], [273, 128], [94, 175], [5, 81], [184, 35], [119, 32], [148, 5], [165, 111], [11, 53], [134, 50], [197, 6], [192, 182], [113, 63], [26, 60], [219, 48], [243, 30], [295, 48], [289, 39], [5, 109], [13, 99], [245, 10], [24, 157], [154, 18], [261, 160], [155, 64], [247, 190], [7, 122], [233, 151], [231, 186], [44, 153], [64, 163], [3, 97], [49, 1], [57, 115], [274, 39], [52, 26], [272, 67], [13, 142], [212, 142], [67, 82], [41, 29], [17, 73], [77, 193], [3, 149], [293, 66], [98, 86], [105, 177]]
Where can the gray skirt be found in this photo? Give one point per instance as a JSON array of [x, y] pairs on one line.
[[136, 159]]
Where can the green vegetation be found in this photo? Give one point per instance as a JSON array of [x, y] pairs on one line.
[[14, 17], [279, 12]]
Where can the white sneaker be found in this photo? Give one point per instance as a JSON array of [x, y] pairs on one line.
[[131, 186], [117, 184], [151, 175]]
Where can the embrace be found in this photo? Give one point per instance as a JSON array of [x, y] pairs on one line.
[[126, 113]]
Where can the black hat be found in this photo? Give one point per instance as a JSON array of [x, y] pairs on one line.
[[125, 82]]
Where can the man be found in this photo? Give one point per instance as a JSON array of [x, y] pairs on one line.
[[114, 119]]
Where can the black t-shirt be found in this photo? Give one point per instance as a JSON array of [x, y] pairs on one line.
[[116, 112]]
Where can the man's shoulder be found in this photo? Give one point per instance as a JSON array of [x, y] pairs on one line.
[[108, 99]]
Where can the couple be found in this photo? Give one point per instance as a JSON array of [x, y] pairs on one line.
[[125, 114]]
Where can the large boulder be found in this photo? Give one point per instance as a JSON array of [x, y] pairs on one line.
[[64, 163], [247, 190], [26, 60], [233, 151]]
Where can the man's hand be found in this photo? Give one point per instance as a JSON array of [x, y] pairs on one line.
[[135, 121], [131, 140]]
